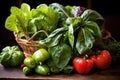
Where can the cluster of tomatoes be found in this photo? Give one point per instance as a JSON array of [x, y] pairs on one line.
[[101, 60]]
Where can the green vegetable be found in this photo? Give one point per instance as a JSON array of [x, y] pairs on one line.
[[42, 70], [30, 62], [11, 56], [27, 70], [40, 55], [62, 12], [60, 57], [92, 15], [26, 21], [81, 30], [59, 50]]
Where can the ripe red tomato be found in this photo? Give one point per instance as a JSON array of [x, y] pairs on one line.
[[102, 60], [82, 65]]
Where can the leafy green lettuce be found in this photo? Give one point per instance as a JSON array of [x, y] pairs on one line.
[[27, 21]]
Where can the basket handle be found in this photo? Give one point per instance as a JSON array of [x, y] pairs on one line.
[[37, 33], [108, 34]]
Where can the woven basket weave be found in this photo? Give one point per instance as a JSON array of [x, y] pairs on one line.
[[29, 46]]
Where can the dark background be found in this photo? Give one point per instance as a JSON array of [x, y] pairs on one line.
[[109, 9]]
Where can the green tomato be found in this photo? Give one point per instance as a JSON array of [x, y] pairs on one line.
[[30, 62], [40, 55], [42, 70]]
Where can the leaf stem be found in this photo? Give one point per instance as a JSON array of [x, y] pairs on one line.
[[64, 12]]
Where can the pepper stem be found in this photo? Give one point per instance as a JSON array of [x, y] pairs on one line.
[[86, 56]]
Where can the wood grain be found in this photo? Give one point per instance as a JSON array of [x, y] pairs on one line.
[[113, 73]]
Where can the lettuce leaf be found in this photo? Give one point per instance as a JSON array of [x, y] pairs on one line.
[[27, 21]]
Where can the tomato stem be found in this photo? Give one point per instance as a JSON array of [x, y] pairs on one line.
[[97, 52], [86, 56]]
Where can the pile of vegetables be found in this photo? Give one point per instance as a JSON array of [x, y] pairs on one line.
[[76, 34], [73, 31]]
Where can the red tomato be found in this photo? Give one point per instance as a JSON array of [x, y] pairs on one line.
[[102, 60], [82, 65]]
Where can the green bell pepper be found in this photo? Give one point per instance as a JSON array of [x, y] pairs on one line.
[[11, 56]]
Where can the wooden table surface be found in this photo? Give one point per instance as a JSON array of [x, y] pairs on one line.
[[112, 73]]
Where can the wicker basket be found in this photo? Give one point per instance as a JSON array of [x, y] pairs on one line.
[[29, 46], [106, 36]]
